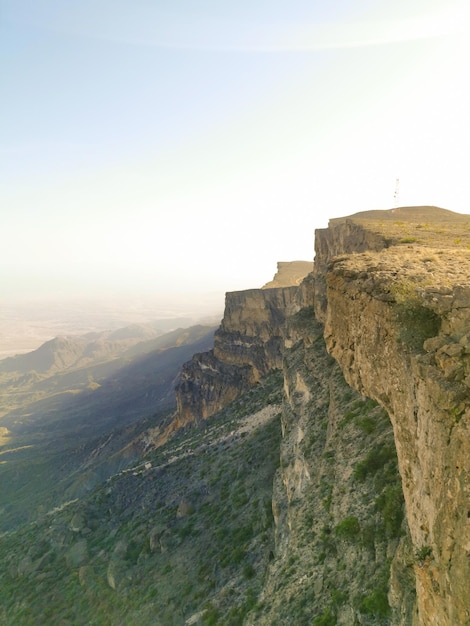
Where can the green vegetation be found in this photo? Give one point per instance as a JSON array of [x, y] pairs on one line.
[[327, 618], [351, 514], [58, 417], [365, 413], [423, 553], [417, 322], [390, 505], [349, 528], [381, 456], [376, 604], [190, 534]]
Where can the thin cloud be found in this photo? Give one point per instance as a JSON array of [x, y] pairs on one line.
[[151, 27]]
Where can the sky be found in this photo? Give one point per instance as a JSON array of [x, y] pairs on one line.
[[149, 146]]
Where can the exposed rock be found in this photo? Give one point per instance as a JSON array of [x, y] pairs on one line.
[[248, 344], [332, 542], [396, 315], [77, 555], [117, 567], [374, 349], [77, 523], [25, 566], [185, 507], [290, 273], [380, 345], [86, 576]]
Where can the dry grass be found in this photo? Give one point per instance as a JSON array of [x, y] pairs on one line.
[[426, 247], [424, 226], [441, 268]]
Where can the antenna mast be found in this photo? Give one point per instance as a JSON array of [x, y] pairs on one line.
[[396, 195]]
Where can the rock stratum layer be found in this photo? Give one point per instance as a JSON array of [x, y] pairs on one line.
[[248, 345], [397, 320], [391, 295]]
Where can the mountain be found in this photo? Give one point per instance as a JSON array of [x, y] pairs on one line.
[[314, 469], [69, 418]]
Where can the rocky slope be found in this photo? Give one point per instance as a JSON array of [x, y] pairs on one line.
[[365, 366], [337, 500], [248, 344], [73, 424], [182, 537], [391, 289]]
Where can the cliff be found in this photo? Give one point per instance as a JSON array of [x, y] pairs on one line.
[[290, 273], [248, 344], [390, 295], [323, 478], [397, 320]]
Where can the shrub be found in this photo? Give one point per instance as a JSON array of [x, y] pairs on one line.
[[211, 615], [248, 571], [338, 597], [375, 604], [423, 553], [327, 618], [366, 424], [390, 504], [349, 528], [375, 460]]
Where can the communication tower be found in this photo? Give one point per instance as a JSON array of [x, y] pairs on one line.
[[396, 195]]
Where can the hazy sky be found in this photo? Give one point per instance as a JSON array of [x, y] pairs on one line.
[[191, 145]]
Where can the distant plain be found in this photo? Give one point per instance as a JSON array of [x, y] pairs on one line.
[[25, 324]]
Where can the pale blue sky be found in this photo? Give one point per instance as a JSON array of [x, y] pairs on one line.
[[148, 145]]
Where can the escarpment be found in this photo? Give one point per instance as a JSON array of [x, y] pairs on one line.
[[386, 420], [397, 320], [332, 487], [247, 345], [337, 499]]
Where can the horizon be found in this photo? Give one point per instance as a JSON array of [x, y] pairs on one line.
[[152, 150]]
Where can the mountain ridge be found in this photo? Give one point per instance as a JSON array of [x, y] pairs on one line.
[[363, 371], [59, 419], [398, 288]]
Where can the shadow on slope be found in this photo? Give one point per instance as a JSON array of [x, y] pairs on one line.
[[187, 534], [49, 440]]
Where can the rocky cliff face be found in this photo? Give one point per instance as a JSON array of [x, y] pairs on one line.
[[397, 320], [337, 499], [390, 296], [248, 344], [364, 369], [290, 273]]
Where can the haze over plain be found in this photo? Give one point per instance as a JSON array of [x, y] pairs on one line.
[[157, 148]]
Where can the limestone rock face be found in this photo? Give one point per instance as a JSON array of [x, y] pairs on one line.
[[247, 346], [341, 237], [206, 384], [333, 542], [290, 273], [390, 294], [397, 320]]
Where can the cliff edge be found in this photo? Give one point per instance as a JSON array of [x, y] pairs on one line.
[[390, 293], [394, 295], [316, 471]]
